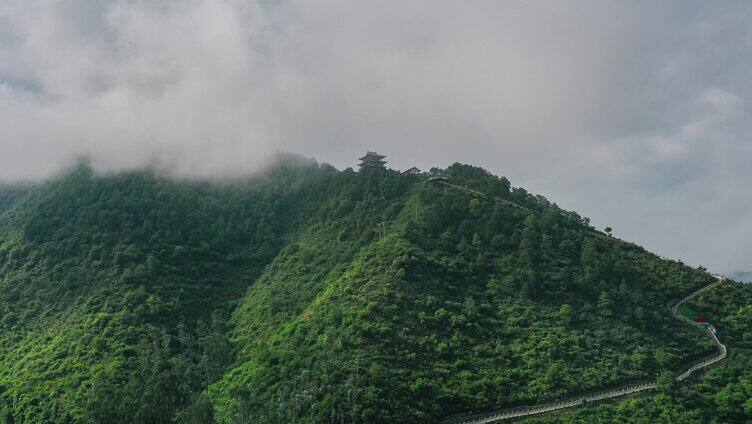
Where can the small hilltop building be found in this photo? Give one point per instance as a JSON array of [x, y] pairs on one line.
[[412, 170], [372, 160]]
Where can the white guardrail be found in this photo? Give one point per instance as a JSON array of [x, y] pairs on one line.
[[526, 411]]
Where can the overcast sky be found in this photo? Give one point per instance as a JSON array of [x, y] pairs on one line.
[[636, 114]]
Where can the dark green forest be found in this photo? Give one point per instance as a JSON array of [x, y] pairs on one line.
[[306, 294]]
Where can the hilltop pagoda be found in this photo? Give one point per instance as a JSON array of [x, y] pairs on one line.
[[372, 160]]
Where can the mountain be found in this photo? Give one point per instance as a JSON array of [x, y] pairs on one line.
[[307, 294]]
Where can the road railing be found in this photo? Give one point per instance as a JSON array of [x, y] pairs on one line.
[[525, 411], [708, 361]]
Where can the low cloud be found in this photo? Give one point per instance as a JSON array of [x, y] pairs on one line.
[[634, 114]]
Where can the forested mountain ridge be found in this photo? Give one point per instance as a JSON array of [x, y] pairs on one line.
[[307, 294]]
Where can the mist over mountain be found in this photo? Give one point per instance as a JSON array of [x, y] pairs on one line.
[[596, 104], [165, 259], [745, 276]]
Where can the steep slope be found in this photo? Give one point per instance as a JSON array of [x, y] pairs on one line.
[[467, 302], [310, 295], [114, 289]]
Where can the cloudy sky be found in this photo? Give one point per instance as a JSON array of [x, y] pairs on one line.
[[636, 114]]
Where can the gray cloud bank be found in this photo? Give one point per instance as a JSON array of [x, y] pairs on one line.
[[636, 114]]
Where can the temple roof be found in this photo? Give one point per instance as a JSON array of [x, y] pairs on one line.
[[372, 156]]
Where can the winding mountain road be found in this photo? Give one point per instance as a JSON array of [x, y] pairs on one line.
[[527, 411], [497, 416]]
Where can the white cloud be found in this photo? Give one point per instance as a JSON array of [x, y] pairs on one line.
[[592, 103]]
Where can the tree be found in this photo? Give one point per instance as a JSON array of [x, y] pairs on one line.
[[608, 230], [530, 243], [565, 312], [666, 382]]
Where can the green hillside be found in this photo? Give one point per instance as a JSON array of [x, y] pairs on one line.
[[307, 294]]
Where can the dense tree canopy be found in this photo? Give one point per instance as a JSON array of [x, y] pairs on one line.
[[307, 294]]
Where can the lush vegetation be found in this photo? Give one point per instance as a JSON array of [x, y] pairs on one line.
[[722, 394], [307, 294]]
